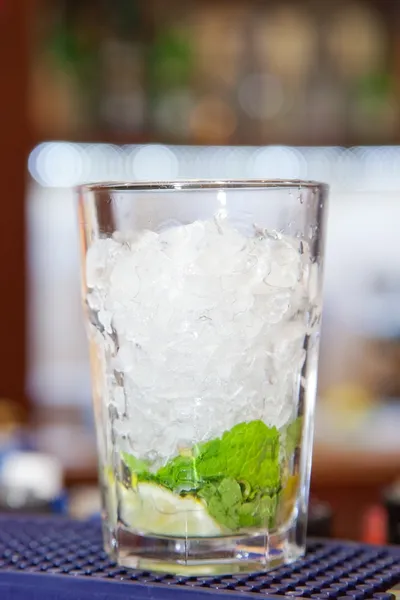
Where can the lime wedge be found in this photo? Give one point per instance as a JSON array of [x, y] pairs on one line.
[[150, 508], [288, 499]]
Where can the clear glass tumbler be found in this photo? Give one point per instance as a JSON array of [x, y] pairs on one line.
[[203, 303]]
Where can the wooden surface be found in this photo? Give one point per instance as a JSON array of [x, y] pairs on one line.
[[14, 148], [352, 483], [354, 468]]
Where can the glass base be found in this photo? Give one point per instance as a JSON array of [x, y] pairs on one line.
[[206, 556]]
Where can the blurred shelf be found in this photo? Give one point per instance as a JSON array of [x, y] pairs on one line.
[[100, 137], [123, 138], [351, 482], [332, 467], [83, 474]]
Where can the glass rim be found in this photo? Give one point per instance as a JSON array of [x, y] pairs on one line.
[[201, 184]]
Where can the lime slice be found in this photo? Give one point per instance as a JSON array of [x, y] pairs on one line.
[[288, 498], [109, 476], [152, 509]]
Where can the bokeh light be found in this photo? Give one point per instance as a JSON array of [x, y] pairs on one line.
[[62, 165], [155, 163]]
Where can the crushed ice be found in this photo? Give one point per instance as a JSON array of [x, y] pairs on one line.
[[206, 329]]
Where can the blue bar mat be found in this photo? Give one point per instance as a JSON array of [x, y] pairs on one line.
[[59, 559]]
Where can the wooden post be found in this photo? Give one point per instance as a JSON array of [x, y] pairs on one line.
[[15, 143]]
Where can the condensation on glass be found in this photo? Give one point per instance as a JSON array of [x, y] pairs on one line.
[[203, 304]]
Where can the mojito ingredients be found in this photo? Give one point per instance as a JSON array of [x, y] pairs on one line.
[[237, 475]]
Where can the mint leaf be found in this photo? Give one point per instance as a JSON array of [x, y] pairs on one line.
[[293, 436], [135, 465], [230, 492], [248, 514], [227, 517], [179, 474], [208, 491], [223, 501], [258, 513], [249, 452]]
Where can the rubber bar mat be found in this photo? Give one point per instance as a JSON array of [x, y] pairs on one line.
[[55, 558]]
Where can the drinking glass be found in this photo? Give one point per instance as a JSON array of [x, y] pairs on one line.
[[203, 305]]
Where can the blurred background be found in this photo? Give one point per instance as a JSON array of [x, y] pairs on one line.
[[96, 90]]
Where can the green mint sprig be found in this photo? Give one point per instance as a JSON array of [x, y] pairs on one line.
[[238, 476]]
